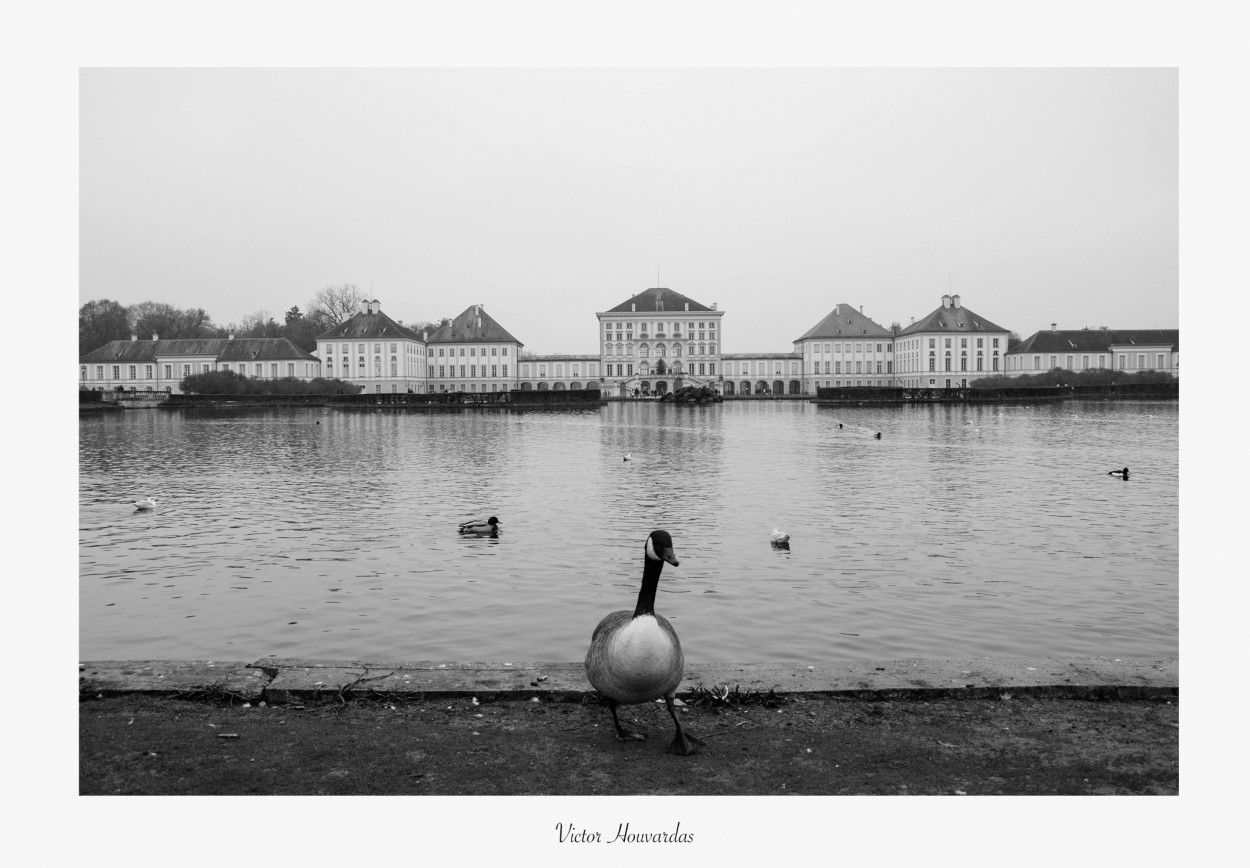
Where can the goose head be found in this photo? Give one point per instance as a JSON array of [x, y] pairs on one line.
[[660, 548]]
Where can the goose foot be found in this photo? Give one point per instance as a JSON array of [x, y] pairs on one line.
[[623, 734], [684, 744]]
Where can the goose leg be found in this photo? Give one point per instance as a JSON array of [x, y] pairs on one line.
[[621, 733], [683, 743]]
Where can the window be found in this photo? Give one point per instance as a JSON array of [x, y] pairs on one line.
[[168, 372], [147, 371], [505, 367], [290, 369]]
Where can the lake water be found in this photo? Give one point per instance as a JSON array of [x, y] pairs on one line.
[[323, 533]]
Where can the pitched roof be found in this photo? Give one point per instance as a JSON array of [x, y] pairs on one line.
[[952, 319], [1096, 340], [475, 325], [262, 349], [225, 349], [658, 299], [845, 321], [373, 325]]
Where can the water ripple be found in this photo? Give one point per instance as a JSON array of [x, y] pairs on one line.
[[964, 531]]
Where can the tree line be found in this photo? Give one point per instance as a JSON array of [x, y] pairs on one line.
[[104, 320]]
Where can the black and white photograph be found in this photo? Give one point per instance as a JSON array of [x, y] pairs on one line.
[[676, 438]]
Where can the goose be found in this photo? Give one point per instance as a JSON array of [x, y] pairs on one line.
[[628, 457], [778, 537], [636, 657], [145, 504], [1121, 473], [489, 527], [878, 435]]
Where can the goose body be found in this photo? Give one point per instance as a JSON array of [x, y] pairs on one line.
[[479, 527], [777, 537], [145, 504], [636, 657]]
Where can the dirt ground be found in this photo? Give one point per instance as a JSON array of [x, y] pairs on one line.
[[801, 744]]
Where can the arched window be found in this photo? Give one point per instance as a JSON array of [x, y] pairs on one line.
[[644, 351], [659, 351], [676, 349]]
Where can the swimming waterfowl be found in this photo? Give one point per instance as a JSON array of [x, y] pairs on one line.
[[628, 457], [145, 504], [779, 537], [636, 656], [489, 527], [1121, 473]]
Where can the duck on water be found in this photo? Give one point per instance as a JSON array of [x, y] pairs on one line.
[[478, 527], [636, 657]]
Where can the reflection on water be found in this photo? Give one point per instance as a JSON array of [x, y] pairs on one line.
[[330, 534]]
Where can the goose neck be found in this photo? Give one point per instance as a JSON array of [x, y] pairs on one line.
[[650, 584]]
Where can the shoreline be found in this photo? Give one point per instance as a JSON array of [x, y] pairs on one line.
[[279, 680]]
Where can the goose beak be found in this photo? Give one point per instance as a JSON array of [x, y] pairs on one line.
[[670, 557]]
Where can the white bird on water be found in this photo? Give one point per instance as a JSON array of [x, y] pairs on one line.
[[779, 537], [145, 504], [628, 457]]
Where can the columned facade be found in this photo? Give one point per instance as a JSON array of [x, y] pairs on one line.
[[659, 341]]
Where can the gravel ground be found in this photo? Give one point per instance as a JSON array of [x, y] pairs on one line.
[[802, 744]]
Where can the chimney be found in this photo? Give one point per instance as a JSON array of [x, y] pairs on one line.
[[713, 305], [399, 322], [913, 321], [1054, 327], [425, 335], [946, 301], [954, 301], [861, 310]]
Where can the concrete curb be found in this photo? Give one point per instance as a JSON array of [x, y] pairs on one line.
[[286, 680]]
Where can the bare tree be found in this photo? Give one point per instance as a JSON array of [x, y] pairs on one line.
[[101, 321], [334, 305], [259, 324]]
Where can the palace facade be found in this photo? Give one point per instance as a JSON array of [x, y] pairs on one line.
[[653, 342]]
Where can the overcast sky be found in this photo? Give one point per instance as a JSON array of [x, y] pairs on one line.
[[547, 195]]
